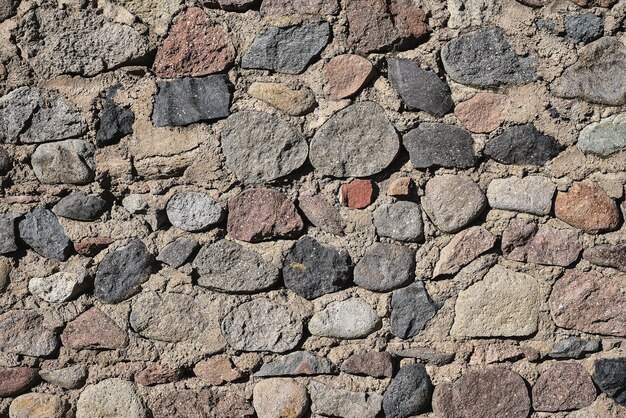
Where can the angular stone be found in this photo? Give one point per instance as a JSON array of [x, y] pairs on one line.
[[610, 376], [411, 309], [464, 248], [8, 243], [587, 206], [37, 405], [177, 252], [322, 214], [574, 347], [288, 49], [157, 374], [7, 9], [193, 212], [401, 187], [280, 397], [93, 330], [522, 144], [347, 319], [328, 401], [585, 27], [531, 194], [71, 161], [260, 147], [234, 5], [605, 137], [358, 194], [56, 288], [401, 221], [299, 7], [563, 387], [299, 363], [115, 121], [72, 377], [295, 102], [438, 144], [24, 332], [345, 75], [483, 113], [41, 231], [110, 398], [5, 272], [90, 247], [385, 267], [177, 402], [80, 207], [6, 162], [216, 371], [408, 393], [358, 141], [312, 269], [607, 256], [188, 100], [371, 363], [15, 380]]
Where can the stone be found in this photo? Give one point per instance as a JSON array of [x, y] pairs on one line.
[[322, 214], [204, 402], [426, 355], [532, 3], [177, 252], [5, 274], [503, 304], [262, 325], [522, 145], [408, 393], [279, 398], [401, 187], [418, 88], [345, 75], [484, 58], [437, 144], [298, 363], [72, 377], [605, 137], [574, 347], [346, 319], [483, 113], [411, 309], [235, 5], [16, 380], [71, 161], [401, 221], [8, 242], [6, 163], [93, 330], [545, 245], [465, 247], [311, 269], [531, 194], [589, 302], [610, 376], [80, 207], [357, 141], [607, 255], [56, 288], [358, 194], [195, 46], [7, 9], [187, 100], [586, 206], [586, 79], [385, 267], [110, 398], [564, 386], [299, 7], [262, 214], [216, 371], [135, 203], [37, 405], [490, 392], [260, 147], [115, 121], [41, 231], [193, 211], [121, 273], [288, 49], [156, 374], [596, 3], [294, 102], [453, 201], [328, 401], [585, 27], [25, 332], [372, 363], [90, 247]]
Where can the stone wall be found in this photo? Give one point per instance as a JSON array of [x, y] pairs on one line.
[[350, 208]]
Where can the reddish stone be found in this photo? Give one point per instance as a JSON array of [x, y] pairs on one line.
[[586, 206], [322, 214], [563, 387], [369, 364], [93, 330], [90, 247], [465, 247], [482, 113], [15, 380], [401, 187], [497, 352], [607, 256], [176, 402], [156, 374], [216, 371], [357, 194], [345, 75], [195, 46], [299, 7]]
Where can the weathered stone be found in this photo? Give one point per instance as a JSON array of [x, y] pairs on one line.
[[523, 241], [347, 319], [280, 398], [5, 274], [371, 363], [37, 405], [8, 244], [156, 374], [596, 3], [93, 330], [426, 355], [7, 9], [605, 137], [531, 194], [345, 75], [587, 206], [299, 363], [411, 309], [71, 161], [438, 144], [385, 267], [177, 252], [357, 141], [110, 398], [401, 221], [287, 50], [216, 371], [482, 113], [89, 247], [260, 147], [80, 207], [464, 248], [115, 121], [299, 7], [192, 211], [177, 402], [522, 144], [15, 380], [408, 393], [328, 401], [56, 288], [41, 230], [234, 5], [295, 102], [321, 214], [497, 352], [401, 187], [574, 347], [563, 387], [135, 203], [24, 332], [358, 194], [312, 269], [610, 376], [585, 27], [6, 162], [71, 377], [607, 256]]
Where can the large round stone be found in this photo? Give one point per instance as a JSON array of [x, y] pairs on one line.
[[385, 267], [192, 211], [110, 398]]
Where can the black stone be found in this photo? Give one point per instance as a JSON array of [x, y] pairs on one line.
[[8, 243], [80, 207], [5, 162], [41, 231], [115, 122], [610, 376], [522, 144], [409, 393], [438, 144], [177, 252], [411, 309], [385, 267], [583, 28]]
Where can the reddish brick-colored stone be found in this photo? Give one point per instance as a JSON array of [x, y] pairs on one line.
[[369, 364], [93, 330], [15, 380], [401, 187], [345, 75], [482, 113], [90, 247], [587, 206], [216, 371], [357, 194]]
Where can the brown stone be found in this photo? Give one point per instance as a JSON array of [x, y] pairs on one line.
[[563, 387], [295, 102], [156, 374], [345, 75], [37, 405], [607, 256], [322, 214], [465, 247], [401, 187], [93, 330], [587, 206], [25, 332], [299, 7], [591, 3], [176, 402], [369, 364], [497, 352], [15, 380], [90, 247], [358, 194], [589, 302], [216, 370], [195, 46], [482, 113]]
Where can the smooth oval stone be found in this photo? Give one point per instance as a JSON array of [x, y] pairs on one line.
[[347, 319], [192, 211], [385, 267]]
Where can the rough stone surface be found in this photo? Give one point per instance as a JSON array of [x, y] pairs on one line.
[[585, 27], [216, 371], [93, 330], [193, 211], [90, 247], [375, 364], [298, 363], [609, 375], [358, 194], [385, 267], [522, 145], [280, 397], [8, 228], [295, 102], [37, 405], [401, 187], [177, 252], [5, 162], [156, 374], [71, 377], [299, 7], [322, 214], [15, 380], [110, 398], [115, 122], [175, 402], [347, 319], [25, 332], [408, 393], [41, 230], [345, 75], [531, 194], [438, 144], [574, 347], [607, 256], [70, 161], [464, 248], [411, 309], [80, 207], [563, 387], [7, 9], [56, 288], [605, 137], [482, 113], [588, 207], [328, 401], [401, 221]]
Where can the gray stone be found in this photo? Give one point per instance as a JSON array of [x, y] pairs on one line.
[[574, 347], [484, 58], [135, 203], [175, 253], [6, 162], [522, 144], [607, 255], [115, 121], [357, 141], [610, 376], [110, 398], [385, 267], [426, 355], [260, 147], [8, 244], [288, 49], [56, 288], [121, 272], [584, 27], [322, 214], [411, 309], [438, 144], [193, 212], [464, 248], [328, 401], [41, 231], [187, 100], [80, 207], [531, 194], [346, 319], [299, 363], [24, 332], [401, 221], [7, 9], [605, 137], [228, 267], [419, 89], [71, 161], [312, 269], [408, 393], [72, 377]]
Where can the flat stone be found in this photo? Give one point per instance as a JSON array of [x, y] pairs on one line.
[[288, 49], [587, 206], [411, 309], [401, 187], [358, 141], [347, 319], [299, 7], [235, 5], [563, 387], [464, 248], [483, 113], [311, 269], [41, 231], [184, 101], [585, 27], [322, 214], [71, 161], [295, 102], [589, 302], [358, 194], [280, 397], [498, 352], [8, 242], [16, 380], [5, 274], [531, 194], [328, 401], [596, 3], [426, 355], [262, 214], [345, 75], [121, 272], [262, 325], [260, 147], [385, 267], [56, 288], [503, 304], [110, 398], [89, 247], [607, 256], [401, 221], [93, 330], [177, 252], [37, 405], [610, 376], [418, 88], [605, 137], [72, 377], [299, 363], [204, 402], [228, 267], [80, 207], [24, 332], [574, 347], [216, 371], [135, 203], [437, 144], [375, 364], [408, 393], [193, 211], [115, 121], [522, 145], [156, 374], [453, 201]]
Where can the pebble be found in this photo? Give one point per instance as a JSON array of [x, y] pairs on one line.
[[187, 100], [522, 145], [574, 347], [56, 288], [311, 269], [322, 214], [299, 7], [177, 252], [115, 122], [586, 206], [409, 392], [483, 113], [299, 363], [605, 137], [71, 161], [585, 27], [368, 142], [418, 88], [8, 242], [25, 332], [372, 363], [260, 147], [437, 144], [193, 212], [385, 267], [607, 256], [110, 398], [135, 203], [90, 247], [294, 102], [72, 377], [345, 75], [156, 374], [563, 387], [80, 207], [401, 221], [411, 309], [401, 187], [228, 267], [16, 380], [37, 405], [280, 398], [464, 248], [610, 376], [328, 401], [216, 371], [358, 194], [293, 47], [41, 231], [347, 319], [453, 201], [531, 194], [93, 330]]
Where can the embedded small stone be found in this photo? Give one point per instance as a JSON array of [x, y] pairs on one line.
[[299, 7], [280, 397], [216, 371], [93, 330], [596, 3], [531, 194], [605, 137], [90, 247], [408, 393], [80, 207], [56, 288], [328, 401], [5, 271], [235, 5], [426, 355], [482, 113], [8, 243], [71, 161], [371, 363], [385, 267], [295, 102], [177, 252], [110, 398], [312, 269], [345, 75], [438, 144], [5, 161], [41, 230], [401, 187], [156, 374], [563, 387], [115, 122], [37, 405], [607, 256], [585, 27], [322, 214], [411, 309], [587, 206], [347, 319], [464, 248], [16, 380], [358, 194], [522, 144], [135, 203], [574, 347], [72, 377], [610, 376], [24, 332], [299, 363], [192, 211], [401, 221], [358, 141]]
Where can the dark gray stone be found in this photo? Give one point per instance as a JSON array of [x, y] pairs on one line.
[[41, 230], [299, 363], [80, 207], [115, 122], [411, 309], [287, 50], [401, 221], [584, 27], [5, 161], [177, 252], [8, 243], [574, 347], [188, 100], [522, 144], [610, 376], [385, 267], [438, 144], [408, 393], [312, 270]]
